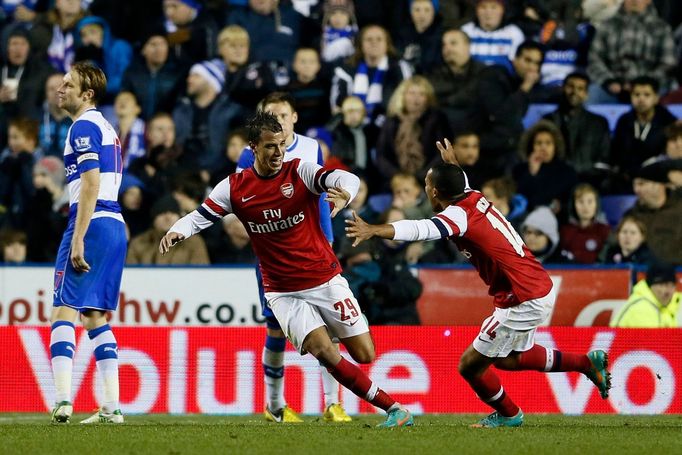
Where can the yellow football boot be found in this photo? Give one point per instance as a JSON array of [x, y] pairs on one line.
[[336, 413], [284, 415]]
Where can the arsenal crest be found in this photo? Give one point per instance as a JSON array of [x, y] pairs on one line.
[[287, 190]]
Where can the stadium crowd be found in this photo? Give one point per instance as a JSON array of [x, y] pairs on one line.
[[376, 83]]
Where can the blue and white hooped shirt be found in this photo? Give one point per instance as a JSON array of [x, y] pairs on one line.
[[92, 143]]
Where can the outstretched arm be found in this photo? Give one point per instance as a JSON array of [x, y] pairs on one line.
[[405, 230], [359, 230], [214, 208]]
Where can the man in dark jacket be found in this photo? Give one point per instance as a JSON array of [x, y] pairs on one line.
[[155, 79], [659, 209], [203, 119], [503, 101], [454, 82], [585, 134], [22, 80], [639, 133]]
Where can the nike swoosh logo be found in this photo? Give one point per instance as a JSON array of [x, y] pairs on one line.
[[485, 341], [353, 323], [403, 421], [245, 199]]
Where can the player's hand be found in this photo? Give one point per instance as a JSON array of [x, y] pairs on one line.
[[339, 197], [447, 152], [169, 241], [78, 256], [358, 229], [413, 252]]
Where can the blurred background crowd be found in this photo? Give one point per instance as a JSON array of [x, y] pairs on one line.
[[377, 83]]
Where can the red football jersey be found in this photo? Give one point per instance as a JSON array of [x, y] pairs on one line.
[[497, 251], [282, 217]]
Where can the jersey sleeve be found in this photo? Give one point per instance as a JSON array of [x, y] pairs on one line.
[[246, 159], [451, 221], [215, 207], [86, 142], [454, 219], [318, 180]]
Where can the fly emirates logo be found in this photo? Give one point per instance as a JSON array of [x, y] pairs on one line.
[[274, 222]]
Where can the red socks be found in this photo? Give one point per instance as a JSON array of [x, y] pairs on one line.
[[352, 378], [539, 358], [490, 390]]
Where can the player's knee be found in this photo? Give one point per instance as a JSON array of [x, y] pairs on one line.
[[93, 319], [364, 354], [325, 353], [465, 368]]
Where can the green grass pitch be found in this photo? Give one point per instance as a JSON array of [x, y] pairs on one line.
[[432, 434]]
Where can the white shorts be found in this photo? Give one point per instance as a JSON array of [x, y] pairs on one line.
[[330, 304], [513, 329]]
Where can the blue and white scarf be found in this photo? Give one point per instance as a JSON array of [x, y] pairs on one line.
[[370, 93]]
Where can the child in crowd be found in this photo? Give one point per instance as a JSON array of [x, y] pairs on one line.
[[310, 89], [586, 232], [339, 28], [501, 192], [630, 246], [129, 127], [16, 172], [409, 198], [236, 142], [350, 144], [540, 233], [13, 244]]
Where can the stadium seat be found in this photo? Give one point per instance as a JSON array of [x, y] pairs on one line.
[[615, 206], [380, 202], [676, 109], [609, 111], [535, 113]]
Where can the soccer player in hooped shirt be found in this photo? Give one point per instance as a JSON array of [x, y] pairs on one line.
[[91, 255], [282, 105], [278, 202], [522, 291]]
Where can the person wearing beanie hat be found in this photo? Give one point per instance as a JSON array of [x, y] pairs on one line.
[[23, 75], [190, 30], [339, 28], [212, 71], [51, 168], [204, 118], [523, 292], [654, 303], [144, 249], [659, 209], [540, 232], [419, 41], [155, 79]]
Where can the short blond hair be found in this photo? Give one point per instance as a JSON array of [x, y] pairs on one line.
[[396, 104], [233, 33]]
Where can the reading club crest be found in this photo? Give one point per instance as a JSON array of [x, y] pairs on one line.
[[287, 190]]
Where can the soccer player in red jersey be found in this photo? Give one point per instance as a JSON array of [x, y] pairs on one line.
[[278, 202], [522, 291]]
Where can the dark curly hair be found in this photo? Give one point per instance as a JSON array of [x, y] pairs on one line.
[[262, 121]]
